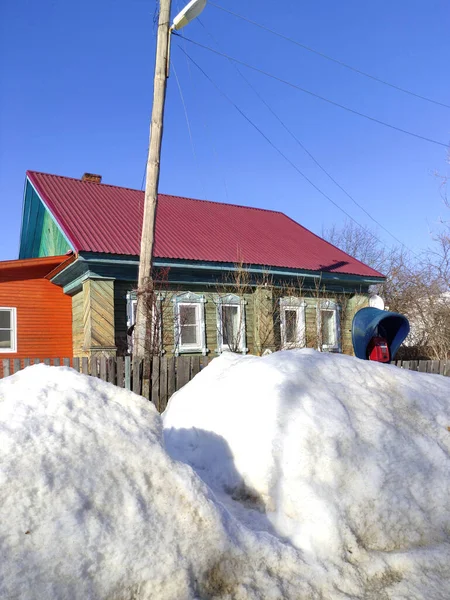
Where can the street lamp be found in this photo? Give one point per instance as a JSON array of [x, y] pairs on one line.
[[189, 12], [142, 331]]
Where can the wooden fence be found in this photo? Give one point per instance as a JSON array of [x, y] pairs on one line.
[[437, 367], [155, 379], [158, 378]]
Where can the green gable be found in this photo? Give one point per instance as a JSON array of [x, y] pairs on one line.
[[40, 235]]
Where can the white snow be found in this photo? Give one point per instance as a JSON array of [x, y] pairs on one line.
[[324, 477], [348, 460]]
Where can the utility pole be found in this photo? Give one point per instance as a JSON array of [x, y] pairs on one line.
[[143, 329]]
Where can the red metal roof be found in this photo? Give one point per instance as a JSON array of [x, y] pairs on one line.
[[97, 217]]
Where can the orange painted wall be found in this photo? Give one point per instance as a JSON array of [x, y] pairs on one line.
[[44, 318]]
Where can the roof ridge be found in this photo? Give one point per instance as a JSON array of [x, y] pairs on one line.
[[121, 187]]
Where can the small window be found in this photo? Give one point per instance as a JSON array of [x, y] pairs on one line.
[[189, 325], [328, 325], [190, 335], [231, 324], [8, 330], [292, 323]]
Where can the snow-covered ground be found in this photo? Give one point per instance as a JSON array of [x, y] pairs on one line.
[[313, 476]]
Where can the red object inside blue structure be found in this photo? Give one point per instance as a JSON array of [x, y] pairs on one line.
[[378, 350]]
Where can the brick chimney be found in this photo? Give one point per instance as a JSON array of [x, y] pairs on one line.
[[92, 178]]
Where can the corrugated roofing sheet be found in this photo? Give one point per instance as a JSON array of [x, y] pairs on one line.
[[103, 218]]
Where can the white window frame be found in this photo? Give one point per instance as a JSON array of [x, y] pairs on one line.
[[235, 301], [13, 319], [131, 318], [198, 302], [298, 305], [329, 305]]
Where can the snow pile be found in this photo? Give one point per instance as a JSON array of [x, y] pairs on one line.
[[318, 489], [347, 460], [93, 507]]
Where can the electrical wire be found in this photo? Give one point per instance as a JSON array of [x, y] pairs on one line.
[[189, 130], [302, 146], [269, 141], [297, 87], [330, 58]]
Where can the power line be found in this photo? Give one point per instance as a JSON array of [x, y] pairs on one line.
[[297, 87], [189, 129], [269, 141], [302, 146], [330, 58]]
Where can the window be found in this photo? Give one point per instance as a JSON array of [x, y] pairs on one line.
[[156, 322], [8, 330], [231, 324], [328, 326], [190, 335], [292, 323]]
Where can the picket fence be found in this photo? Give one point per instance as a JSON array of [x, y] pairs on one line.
[[159, 377]]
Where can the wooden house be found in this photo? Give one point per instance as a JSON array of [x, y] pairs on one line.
[[35, 314], [230, 277]]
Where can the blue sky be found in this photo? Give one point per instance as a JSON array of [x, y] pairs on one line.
[[76, 90]]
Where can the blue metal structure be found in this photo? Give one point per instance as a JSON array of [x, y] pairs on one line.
[[371, 322]]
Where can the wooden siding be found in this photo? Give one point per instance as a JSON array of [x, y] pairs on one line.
[[78, 325], [44, 318], [98, 316], [260, 335], [45, 238], [52, 242]]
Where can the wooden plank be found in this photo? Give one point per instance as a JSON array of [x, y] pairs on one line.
[[16, 365], [103, 368], [120, 372], [127, 380], [171, 383], [76, 364], [413, 365], [195, 366], [26, 362], [56, 362], [111, 370], [155, 381], [446, 368], [146, 379], [204, 362], [162, 384], [6, 371], [85, 365], [422, 366], [66, 362], [93, 367], [405, 364], [47, 361], [434, 367], [137, 375], [183, 371]]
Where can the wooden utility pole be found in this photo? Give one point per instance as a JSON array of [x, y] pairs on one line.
[[143, 329]]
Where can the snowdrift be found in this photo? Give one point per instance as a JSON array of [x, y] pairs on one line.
[[347, 460], [300, 487]]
